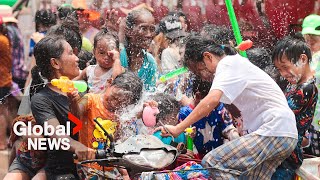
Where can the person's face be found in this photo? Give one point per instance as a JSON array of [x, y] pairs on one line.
[[291, 72], [68, 63], [183, 23], [313, 41], [115, 98], [101, 54], [200, 69], [144, 31]]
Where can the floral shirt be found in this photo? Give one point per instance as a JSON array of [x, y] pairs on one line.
[[302, 100]]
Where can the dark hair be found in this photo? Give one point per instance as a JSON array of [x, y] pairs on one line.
[[47, 48], [220, 34], [45, 17], [132, 17], [84, 57], [66, 11], [198, 85], [259, 57], [69, 29], [197, 45], [130, 82], [292, 48], [103, 33], [179, 14], [167, 105]]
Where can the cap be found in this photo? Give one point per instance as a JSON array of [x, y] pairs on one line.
[[311, 25], [171, 27], [6, 13]]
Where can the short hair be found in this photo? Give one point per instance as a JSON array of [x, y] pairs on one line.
[[292, 48]]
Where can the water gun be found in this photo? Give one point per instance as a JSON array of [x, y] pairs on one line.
[[244, 45], [189, 139], [66, 85], [149, 116], [173, 74]]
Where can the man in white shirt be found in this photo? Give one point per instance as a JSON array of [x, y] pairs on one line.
[[269, 124]]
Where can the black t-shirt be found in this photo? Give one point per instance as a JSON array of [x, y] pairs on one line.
[[46, 105]]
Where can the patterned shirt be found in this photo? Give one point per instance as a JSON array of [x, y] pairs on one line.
[[148, 70], [210, 129], [302, 100], [19, 70]]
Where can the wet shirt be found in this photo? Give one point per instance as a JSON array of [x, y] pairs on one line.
[[97, 84], [89, 135], [210, 129], [302, 100], [19, 70], [46, 105], [148, 70], [5, 62]]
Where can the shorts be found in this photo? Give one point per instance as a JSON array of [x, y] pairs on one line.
[[17, 165]]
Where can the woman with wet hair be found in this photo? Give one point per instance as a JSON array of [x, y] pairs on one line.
[[139, 32]]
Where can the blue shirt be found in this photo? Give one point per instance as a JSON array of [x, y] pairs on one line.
[[209, 129], [148, 70]]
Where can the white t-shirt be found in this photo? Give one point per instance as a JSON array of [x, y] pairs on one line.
[[262, 104]]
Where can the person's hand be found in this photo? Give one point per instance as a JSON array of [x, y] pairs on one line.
[[73, 96], [169, 130], [112, 20], [114, 54], [83, 152], [194, 132], [151, 103]]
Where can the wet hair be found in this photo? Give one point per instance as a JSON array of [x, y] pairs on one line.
[[66, 11], [220, 34], [179, 14], [84, 57], [292, 48], [167, 105], [197, 45], [46, 18], [130, 82], [133, 16], [104, 33], [234, 111], [47, 48], [69, 29], [259, 57], [198, 85]]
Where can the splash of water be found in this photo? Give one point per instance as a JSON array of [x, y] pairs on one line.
[[2, 100]]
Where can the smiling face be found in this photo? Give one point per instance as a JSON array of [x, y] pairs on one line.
[[143, 31], [68, 63], [291, 72], [101, 52], [206, 68]]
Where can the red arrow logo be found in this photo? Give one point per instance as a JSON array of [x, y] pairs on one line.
[[78, 123]]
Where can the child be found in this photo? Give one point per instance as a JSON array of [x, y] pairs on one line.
[[311, 33], [24, 163], [269, 122], [217, 122], [292, 58], [108, 62], [125, 89]]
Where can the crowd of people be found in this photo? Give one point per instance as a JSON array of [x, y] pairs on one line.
[[253, 117]]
